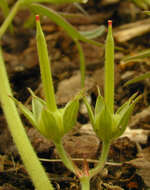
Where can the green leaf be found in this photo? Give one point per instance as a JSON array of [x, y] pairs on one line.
[[5, 9], [91, 34], [141, 3], [103, 125], [81, 8], [47, 125], [56, 18], [147, 12], [139, 78], [89, 109], [70, 115], [55, 1], [26, 112], [140, 55], [60, 21]]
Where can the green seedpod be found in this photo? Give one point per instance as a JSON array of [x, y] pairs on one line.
[[104, 124], [70, 115]]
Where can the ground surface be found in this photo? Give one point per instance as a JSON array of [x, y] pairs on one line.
[[128, 164]]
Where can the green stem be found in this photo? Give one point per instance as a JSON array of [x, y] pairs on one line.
[[66, 158], [102, 160], [10, 17], [30, 160], [85, 183], [82, 63], [5, 10]]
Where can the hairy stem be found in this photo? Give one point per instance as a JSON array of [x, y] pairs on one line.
[[66, 158], [85, 183], [30, 160], [102, 160]]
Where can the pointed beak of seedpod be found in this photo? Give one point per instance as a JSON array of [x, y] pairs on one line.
[[37, 17], [109, 23]]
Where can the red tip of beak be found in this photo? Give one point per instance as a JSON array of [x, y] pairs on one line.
[[37, 17], [109, 22]]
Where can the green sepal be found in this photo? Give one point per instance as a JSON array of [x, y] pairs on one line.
[[47, 125], [37, 104], [125, 115], [99, 104], [125, 106], [89, 110], [26, 112], [104, 124], [37, 107], [70, 115]]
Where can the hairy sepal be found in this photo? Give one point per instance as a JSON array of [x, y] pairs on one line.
[[26, 112], [99, 104], [70, 115], [104, 124], [48, 126], [125, 114], [89, 110]]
